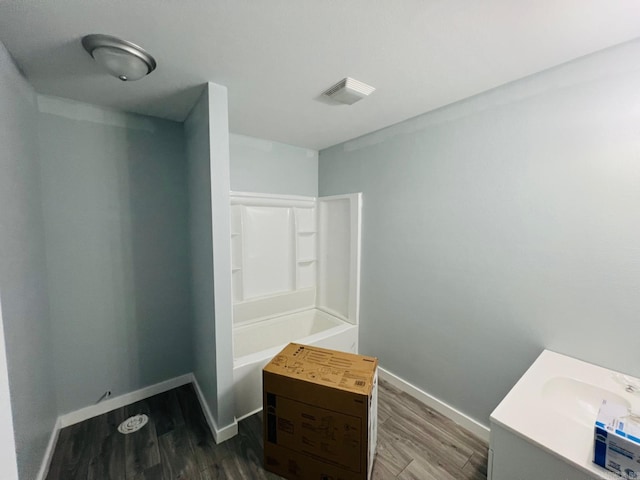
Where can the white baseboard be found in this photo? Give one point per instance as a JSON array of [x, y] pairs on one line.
[[447, 410], [105, 406], [219, 434], [71, 418], [48, 453], [91, 411], [247, 415]]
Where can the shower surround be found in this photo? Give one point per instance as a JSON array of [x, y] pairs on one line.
[[295, 276]]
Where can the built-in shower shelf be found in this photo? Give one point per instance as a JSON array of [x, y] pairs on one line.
[[293, 253], [306, 260]]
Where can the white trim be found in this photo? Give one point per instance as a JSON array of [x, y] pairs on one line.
[[457, 416], [247, 415], [91, 411], [8, 461], [48, 453], [219, 434], [271, 200]]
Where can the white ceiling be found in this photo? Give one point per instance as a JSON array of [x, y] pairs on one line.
[[277, 56]]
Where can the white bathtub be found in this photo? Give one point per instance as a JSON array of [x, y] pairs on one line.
[[544, 427], [257, 343]]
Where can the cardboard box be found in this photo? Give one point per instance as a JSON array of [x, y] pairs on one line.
[[617, 440], [320, 414]]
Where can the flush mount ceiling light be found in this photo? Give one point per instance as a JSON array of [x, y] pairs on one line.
[[124, 60], [348, 91]]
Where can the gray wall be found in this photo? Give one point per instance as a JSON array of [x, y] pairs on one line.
[[23, 287], [270, 167], [502, 225], [207, 134], [196, 129], [114, 189], [220, 212]]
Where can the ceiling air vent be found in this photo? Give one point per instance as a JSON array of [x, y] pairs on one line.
[[348, 91]]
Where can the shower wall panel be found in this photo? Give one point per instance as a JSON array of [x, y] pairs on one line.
[[268, 251]]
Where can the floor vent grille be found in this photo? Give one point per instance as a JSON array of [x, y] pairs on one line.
[[133, 424]]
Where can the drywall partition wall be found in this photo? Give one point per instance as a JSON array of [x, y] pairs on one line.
[[265, 166], [207, 137], [501, 225], [220, 184], [114, 189], [196, 129], [23, 285]]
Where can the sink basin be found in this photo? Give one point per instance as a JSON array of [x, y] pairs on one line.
[[544, 427], [578, 400]]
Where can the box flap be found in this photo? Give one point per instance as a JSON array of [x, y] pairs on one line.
[[331, 368]]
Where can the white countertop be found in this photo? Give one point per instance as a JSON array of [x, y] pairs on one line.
[[555, 403]]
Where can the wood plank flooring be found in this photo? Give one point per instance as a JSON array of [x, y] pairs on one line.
[[414, 442]]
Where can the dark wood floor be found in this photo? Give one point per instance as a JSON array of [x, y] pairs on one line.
[[414, 442]]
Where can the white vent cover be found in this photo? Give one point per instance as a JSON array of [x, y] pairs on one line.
[[348, 91], [133, 424]]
